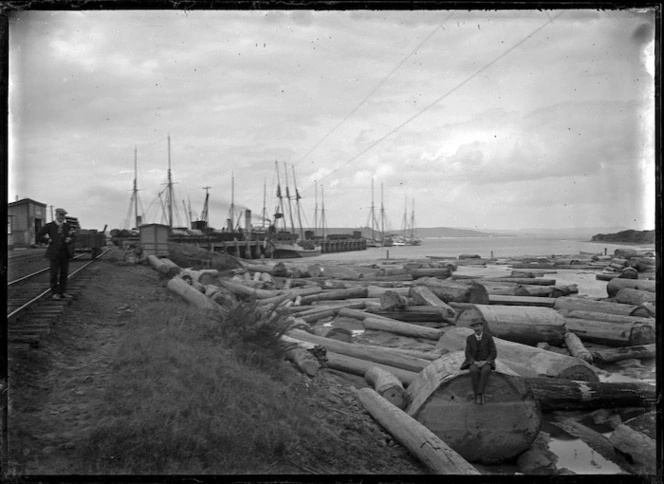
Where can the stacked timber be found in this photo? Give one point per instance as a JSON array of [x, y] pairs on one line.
[[442, 399], [527, 325], [527, 361]]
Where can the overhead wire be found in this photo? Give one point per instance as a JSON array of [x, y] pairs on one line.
[[436, 101]]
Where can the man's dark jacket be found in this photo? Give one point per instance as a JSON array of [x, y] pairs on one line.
[[56, 240], [483, 350]]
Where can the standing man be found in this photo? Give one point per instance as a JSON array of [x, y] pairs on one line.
[[480, 359], [60, 237]]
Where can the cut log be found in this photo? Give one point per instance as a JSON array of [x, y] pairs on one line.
[[645, 423], [500, 288], [447, 290], [507, 300], [392, 301], [561, 290], [525, 360], [564, 305], [576, 348], [635, 297], [387, 386], [597, 442], [164, 265], [643, 352], [420, 441], [191, 295], [367, 352], [304, 360], [533, 291], [527, 325], [376, 291], [404, 329], [606, 276], [538, 459], [318, 315], [412, 314], [533, 281], [640, 448], [358, 366], [340, 334], [442, 399], [612, 334], [353, 292], [615, 285], [241, 290], [608, 318], [442, 273], [423, 296], [562, 394]]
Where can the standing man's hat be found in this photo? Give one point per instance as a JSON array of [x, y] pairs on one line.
[[61, 210], [476, 323]]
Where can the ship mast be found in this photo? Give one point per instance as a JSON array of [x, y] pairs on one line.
[[204, 213], [316, 208], [373, 212], [404, 223], [322, 211], [279, 210], [290, 208], [382, 215], [170, 186], [297, 204], [264, 217], [412, 220], [135, 195], [231, 212]]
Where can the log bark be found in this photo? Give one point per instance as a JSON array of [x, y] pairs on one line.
[[597, 442], [532, 281], [640, 448], [424, 297], [533, 291], [377, 291], [607, 317], [305, 362], [245, 291], [442, 273], [387, 386], [561, 394], [507, 300], [420, 441], [625, 353], [358, 366], [635, 297], [353, 292], [164, 265], [367, 352], [404, 329], [564, 305], [612, 334], [615, 285], [447, 290], [576, 348], [412, 314], [318, 315], [441, 398], [528, 361], [561, 290], [191, 295], [340, 334], [527, 325]]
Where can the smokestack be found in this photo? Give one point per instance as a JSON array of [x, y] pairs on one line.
[[247, 221]]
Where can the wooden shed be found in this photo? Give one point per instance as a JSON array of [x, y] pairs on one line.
[[154, 239], [26, 218]]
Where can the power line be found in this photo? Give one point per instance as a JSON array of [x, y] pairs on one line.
[[378, 86], [455, 88]]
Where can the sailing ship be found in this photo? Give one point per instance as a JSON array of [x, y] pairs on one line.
[[281, 243]]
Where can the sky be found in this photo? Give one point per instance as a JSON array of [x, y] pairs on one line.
[[471, 119]]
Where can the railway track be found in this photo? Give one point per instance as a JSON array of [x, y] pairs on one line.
[[31, 312]]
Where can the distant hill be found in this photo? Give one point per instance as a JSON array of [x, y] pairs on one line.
[[627, 236], [422, 232], [576, 232]]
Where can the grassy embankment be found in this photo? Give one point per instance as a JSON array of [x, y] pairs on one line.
[[193, 394]]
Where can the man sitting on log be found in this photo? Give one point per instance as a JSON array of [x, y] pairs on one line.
[[480, 359]]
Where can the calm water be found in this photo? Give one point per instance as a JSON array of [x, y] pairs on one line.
[[483, 246]]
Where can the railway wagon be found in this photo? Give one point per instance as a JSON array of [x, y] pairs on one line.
[[90, 240]]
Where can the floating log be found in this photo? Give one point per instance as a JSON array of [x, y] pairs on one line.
[[612, 334], [392, 301], [387, 386], [507, 300], [191, 295], [367, 352], [420, 441], [525, 360], [404, 329], [640, 448], [422, 295], [441, 398], [527, 325], [563, 394], [617, 284], [642, 352], [533, 291], [447, 290], [597, 442], [532, 281], [608, 317], [442, 273], [576, 348], [635, 297], [358, 366], [566, 304], [353, 292]]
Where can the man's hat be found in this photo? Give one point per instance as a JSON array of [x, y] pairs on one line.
[[476, 323], [61, 210]]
